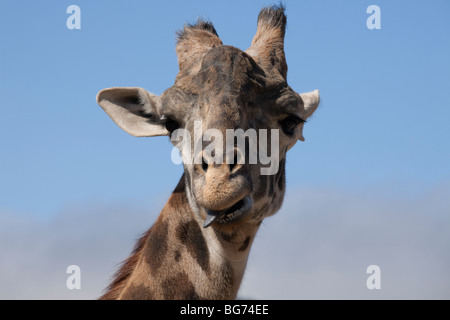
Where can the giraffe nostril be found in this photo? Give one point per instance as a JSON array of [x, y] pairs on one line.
[[204, 164]]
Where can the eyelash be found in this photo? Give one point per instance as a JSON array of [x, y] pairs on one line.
[[289, 124], [171, 125]]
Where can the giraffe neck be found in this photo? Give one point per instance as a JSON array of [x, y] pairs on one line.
[[179, 259]]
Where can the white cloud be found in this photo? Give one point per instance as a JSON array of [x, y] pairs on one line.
[[318, 246], [321, 242], [35, 253]]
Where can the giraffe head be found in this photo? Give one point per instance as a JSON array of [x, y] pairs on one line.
[[231, 114]]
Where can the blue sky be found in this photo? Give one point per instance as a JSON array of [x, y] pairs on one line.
[[383, 115], [382, 125]]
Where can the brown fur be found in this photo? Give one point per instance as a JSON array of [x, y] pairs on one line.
[[268, 42], [194, 42], [182, 235], [225, 88], [190, 234], [122, 275], [179, 287]]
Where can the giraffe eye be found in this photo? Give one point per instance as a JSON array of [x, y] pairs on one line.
[[171, 125], [290, 123]]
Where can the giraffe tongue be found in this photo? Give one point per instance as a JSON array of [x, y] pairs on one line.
[[211, 216]]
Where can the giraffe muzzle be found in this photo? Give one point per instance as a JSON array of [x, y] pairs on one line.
[[233, 213]]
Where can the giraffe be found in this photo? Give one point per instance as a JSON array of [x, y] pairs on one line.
[[199, 245]]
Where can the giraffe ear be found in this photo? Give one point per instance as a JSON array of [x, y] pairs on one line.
[[134, 110], [310, 103]]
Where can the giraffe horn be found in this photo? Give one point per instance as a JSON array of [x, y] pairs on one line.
[[194, 41], [268, 43]]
